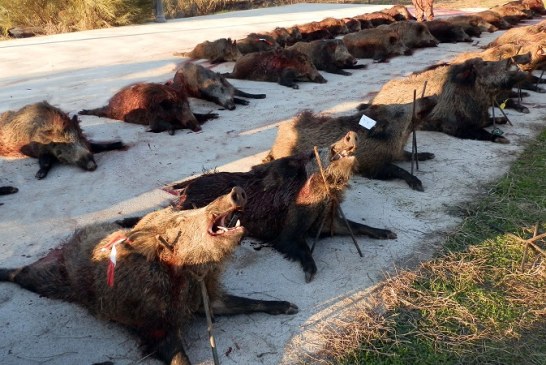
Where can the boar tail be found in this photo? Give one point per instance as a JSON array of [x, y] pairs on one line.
[[247, 95], [99, 112]]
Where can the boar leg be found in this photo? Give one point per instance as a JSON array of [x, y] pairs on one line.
[[230, 304], [5, 190], [157, 126], [45, 162], [481, 135], [202, 118], [288, 78], [335, 70], [238, 92], [293, 246], [391, 171], [170, 350], [512, 104], [97, 147], [128, 222], [421, 156], [340, 228], [240, 101]]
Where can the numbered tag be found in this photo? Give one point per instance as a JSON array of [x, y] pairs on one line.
[[367, 122]]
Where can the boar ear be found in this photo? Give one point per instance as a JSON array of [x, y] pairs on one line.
[[465, 75], [166, 104]]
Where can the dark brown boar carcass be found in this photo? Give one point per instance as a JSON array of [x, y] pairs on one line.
[[158, 106], [413, 34], [464, 92], [378, 44], [399, 12], [200, 82], [446, 32], [148, 278], [220, 50], [378, 147], [494, 19], [288, 199], [472, 24], [516, 35], [255, 42], [281, 65], [328, 55], [47, 133], [376, 18]]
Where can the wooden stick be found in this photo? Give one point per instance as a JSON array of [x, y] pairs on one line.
[[503, 113], [206, 304], [319, 162], [414, 138]]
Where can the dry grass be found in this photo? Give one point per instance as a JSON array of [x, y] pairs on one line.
[[475, 304]]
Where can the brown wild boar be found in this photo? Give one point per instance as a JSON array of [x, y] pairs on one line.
[[472, 24], [220, 50], [378, 44], [288, 199], [334, 26], [512, 14], [536, 6], [328, 55], [413, 34], [285, 37], [445, 32], [516, 35], [464, 94], [399, 12], [378, 147], [154, 285], [494, 19], [200, 82], [47, 133], [281, 65], [158, 106], [377, 18], [255, 42], [353, 25]]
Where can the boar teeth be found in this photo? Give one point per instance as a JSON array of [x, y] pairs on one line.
[[238, 223]]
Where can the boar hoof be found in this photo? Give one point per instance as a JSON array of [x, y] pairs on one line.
[[523, 109], [416, 184], [500, 139], [310, 270], [423, 156], [295, 86], [41, 174], [292, 309]]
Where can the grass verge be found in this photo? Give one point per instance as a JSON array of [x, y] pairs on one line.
[[475, 304]]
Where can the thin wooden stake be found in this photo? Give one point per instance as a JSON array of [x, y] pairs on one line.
[[206, 304], [503, 113], [330, 199]]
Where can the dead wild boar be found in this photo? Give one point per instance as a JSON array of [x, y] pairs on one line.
[[516, 35], [47, 133], [158, 106], [445, 32], [494, 19], [511, 13], [220, 50], [200, 82], [281, 65], [464, 94], [328, 55], [378, 147], [334, 26], [413, 34], [353, 25], [377, 18], [316, 35], [153, 287], [472, 24], [255, 42], [288, 199], [399, 12], [285, 36], [536, 6], [378, 44]]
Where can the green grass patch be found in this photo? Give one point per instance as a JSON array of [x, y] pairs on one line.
[[476, 303]]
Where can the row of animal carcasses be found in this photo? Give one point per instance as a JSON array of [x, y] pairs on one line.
[[165, 106]]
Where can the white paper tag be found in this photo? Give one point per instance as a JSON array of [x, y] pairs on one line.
[[367, 122]]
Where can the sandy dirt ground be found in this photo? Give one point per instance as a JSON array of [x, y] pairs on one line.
[[82, 70]]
